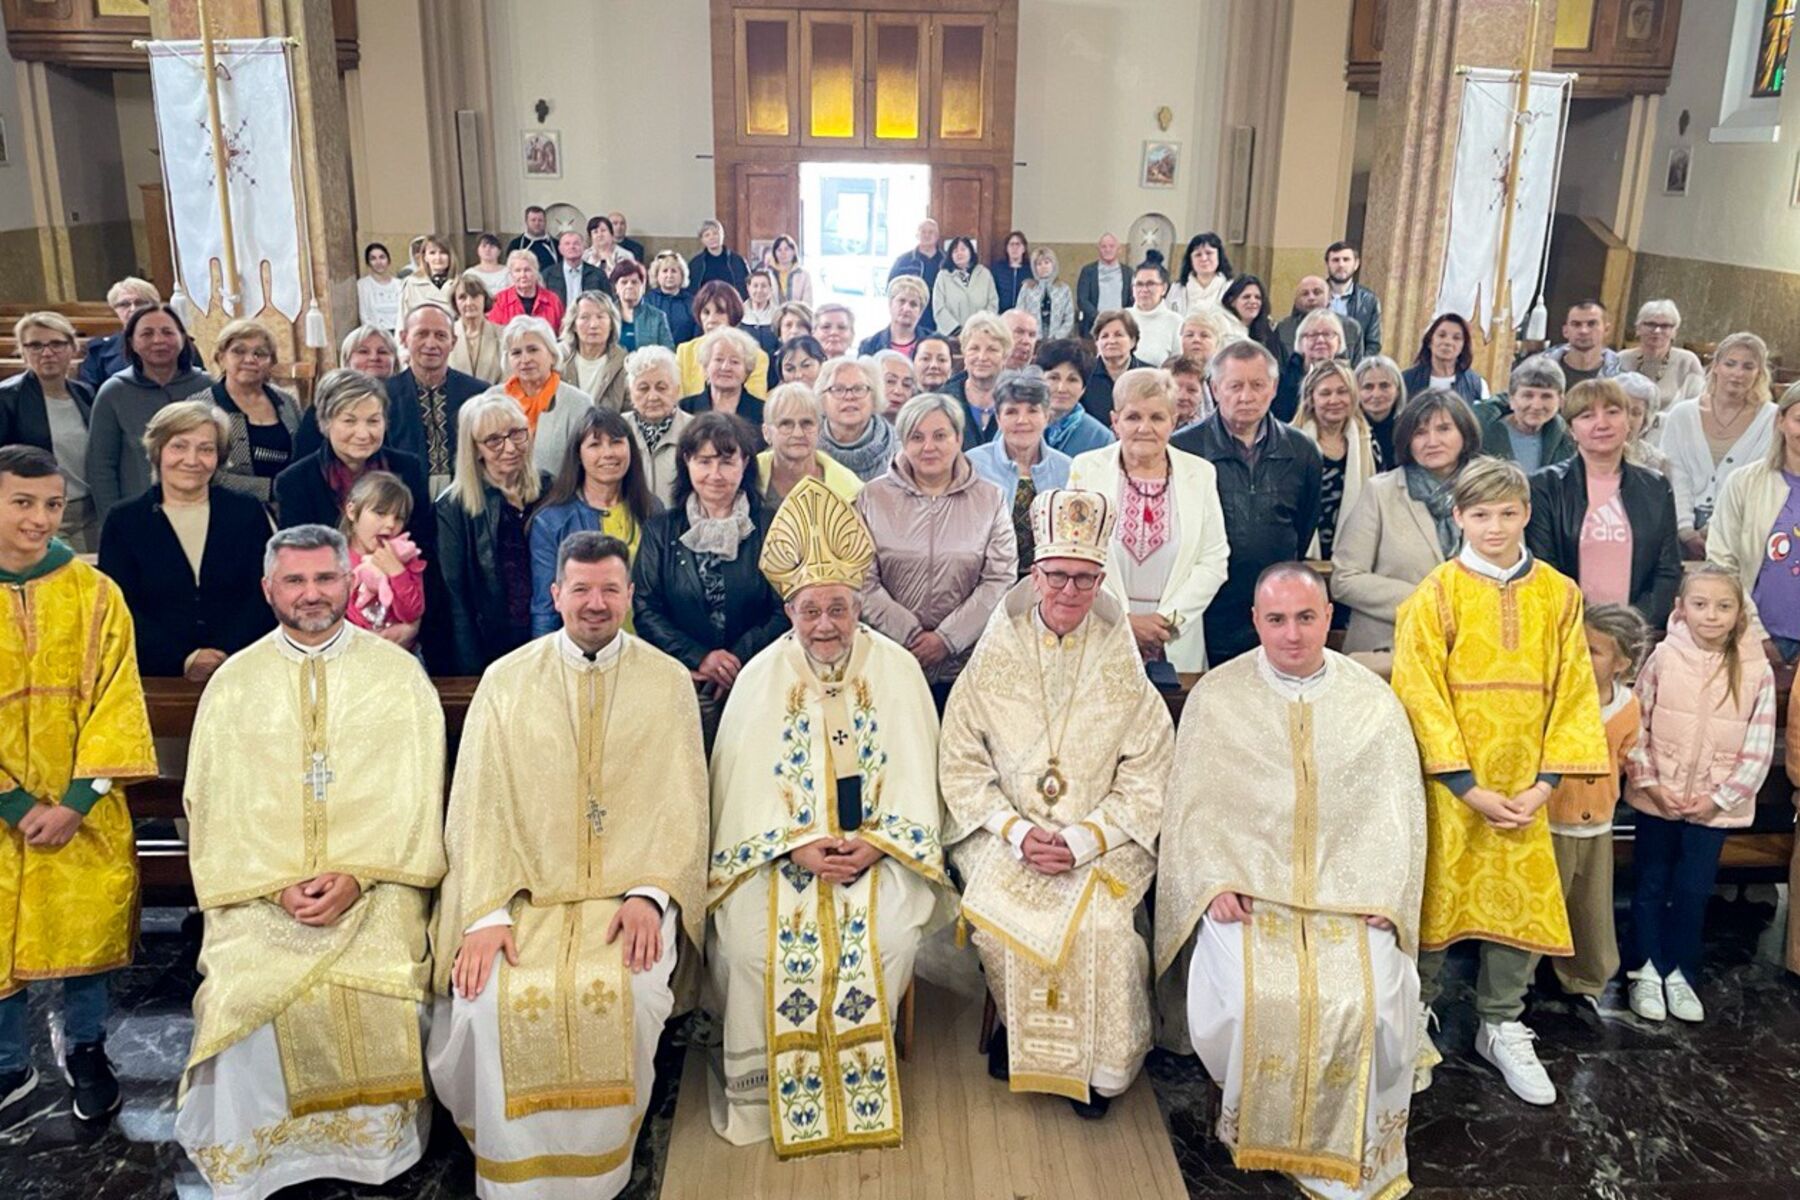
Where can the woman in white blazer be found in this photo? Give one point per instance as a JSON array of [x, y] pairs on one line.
[[1400, 528], [1737, 403], [1169, 551]]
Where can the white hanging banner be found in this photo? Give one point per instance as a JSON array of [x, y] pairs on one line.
[[256, 116], [1478, 190]]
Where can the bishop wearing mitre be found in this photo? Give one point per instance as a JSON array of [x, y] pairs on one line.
[[1055, 754], [314, 792], [577, 844], [826, 869]]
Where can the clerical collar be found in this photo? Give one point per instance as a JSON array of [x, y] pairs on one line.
[[1292, 686], [605, 656], [1487, 570], [327, 647]]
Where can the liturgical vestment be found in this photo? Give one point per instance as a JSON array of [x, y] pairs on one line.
[[808, 975], [307, 1057], [580, 782], [1305, 796], [1067, 734], [71, 708]]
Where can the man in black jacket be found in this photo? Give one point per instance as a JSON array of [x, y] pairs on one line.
[[534, 239], [571, 270], [925, 260], [630, 243], [1349, 298], [1089, 284], [1268, 479]]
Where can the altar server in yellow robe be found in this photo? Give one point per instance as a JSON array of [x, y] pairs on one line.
[[577, 841], [314, 792], [1293, 851], [826, 869], [1491, 662], [72, 730], [1056, 751]]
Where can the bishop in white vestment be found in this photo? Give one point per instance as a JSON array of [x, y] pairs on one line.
[[314, 792], [1056, 750], [577, 845], [826, 868], [1293, 858]]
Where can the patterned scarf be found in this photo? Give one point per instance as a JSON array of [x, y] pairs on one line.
[[866, 457], [653, 432], [718, 536], [1434, 494]]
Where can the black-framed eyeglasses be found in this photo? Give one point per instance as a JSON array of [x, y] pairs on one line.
[[1084, 581], [493, 442]]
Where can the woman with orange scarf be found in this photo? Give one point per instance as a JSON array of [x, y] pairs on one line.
[[553, 408]]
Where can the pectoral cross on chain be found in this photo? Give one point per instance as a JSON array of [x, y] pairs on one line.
[[596, 817], [317, 776]]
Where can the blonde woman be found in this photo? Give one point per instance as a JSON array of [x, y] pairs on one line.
[[1047, 297], [552, 406], [263, 418], [482, 545], [1332, 418], [1677, 373], [1730, 426], [433, 281], [592, 359], [791, 424], [477, 349]]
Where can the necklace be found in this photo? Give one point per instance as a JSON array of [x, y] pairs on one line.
[[1147, 493], [1053, 785], [1710, 413]]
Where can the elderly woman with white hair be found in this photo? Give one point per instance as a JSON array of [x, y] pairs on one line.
[[727, 358], [655, 416], [484, 550], [1677, 373], [1019, 462], [791, 420], [552, 407], [899, 382], [986, 345], [1642, 397], [1318, 338], [1047, 297], [1169, 550], [945, 552], [526, 295], [854, 435]]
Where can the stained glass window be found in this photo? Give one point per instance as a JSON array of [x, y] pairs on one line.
[[1772, 51]]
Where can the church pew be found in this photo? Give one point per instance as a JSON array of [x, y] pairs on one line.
[[1756, 854]]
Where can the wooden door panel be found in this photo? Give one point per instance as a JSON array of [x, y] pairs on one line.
[[768, 205], [962, 201]]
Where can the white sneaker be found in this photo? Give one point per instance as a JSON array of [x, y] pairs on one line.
[[1508, 1047], [1427, 1056], [1684, 1004], [1646, 993]]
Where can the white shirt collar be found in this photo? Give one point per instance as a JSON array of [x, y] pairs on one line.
[[327, 647], [1615, 702], [575, 656], [1481, 566], [1291, 686]]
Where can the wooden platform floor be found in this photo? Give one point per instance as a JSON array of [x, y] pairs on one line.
[[966, 1136]]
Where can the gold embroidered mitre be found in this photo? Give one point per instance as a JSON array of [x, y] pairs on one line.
[[815, 538], [1070, 523]]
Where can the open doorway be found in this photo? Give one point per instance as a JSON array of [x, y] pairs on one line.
[[856, 219]]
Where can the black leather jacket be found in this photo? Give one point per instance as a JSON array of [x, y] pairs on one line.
[[670, 608], [1271, 511], [1559, 504], [476, 587]]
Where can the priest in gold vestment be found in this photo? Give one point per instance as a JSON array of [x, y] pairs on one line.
[[72, 729], [826, 868], [1056, 751], [577, 844], [1293, 852], [314, 792]]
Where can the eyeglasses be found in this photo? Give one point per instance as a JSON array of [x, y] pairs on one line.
[[837, 612], [494, 442], [46, 347], [254, 353], [850, 391], [1085, 581], [1658, 326], [796, 425]]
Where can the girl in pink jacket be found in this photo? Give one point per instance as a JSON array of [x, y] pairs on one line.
[[1708, 701]]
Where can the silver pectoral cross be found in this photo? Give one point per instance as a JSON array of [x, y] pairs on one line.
[[317, 776], [596, 817]]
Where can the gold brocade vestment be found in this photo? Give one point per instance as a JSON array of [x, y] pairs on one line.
[[302, 765]]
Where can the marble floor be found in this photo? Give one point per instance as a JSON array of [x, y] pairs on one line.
[[1659, 1112]]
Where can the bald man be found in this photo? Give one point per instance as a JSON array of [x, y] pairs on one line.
[[1101, 285], [1313, 291]]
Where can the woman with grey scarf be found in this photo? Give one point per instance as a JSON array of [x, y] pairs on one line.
[[1401, 527], [700, 596], [849, 391]]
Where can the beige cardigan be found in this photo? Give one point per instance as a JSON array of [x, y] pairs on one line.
[[1386, 545], [1749, 502], [479, 356]]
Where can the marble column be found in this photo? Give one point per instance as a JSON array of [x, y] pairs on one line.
[[1423, 44], [324, 166]]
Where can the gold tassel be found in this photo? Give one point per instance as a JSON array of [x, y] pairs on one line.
[[962, 931]]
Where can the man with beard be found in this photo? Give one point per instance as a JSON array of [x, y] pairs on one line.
[[1349, 298], [315, 789]]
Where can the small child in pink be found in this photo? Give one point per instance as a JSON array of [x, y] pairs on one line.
[[387, 589]]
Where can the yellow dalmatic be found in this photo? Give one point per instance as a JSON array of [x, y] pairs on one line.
[[827, 1061], [1061, 732], [71, 707], [302, 765], [574, 785], [1497, 680]]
